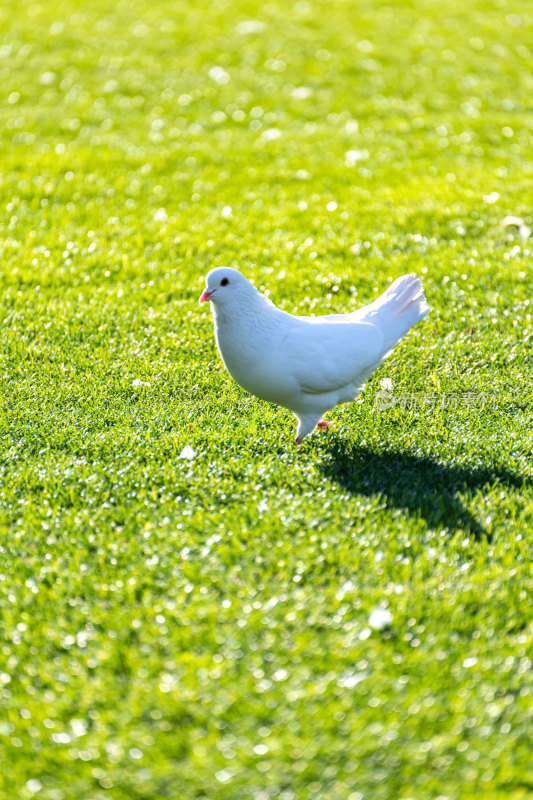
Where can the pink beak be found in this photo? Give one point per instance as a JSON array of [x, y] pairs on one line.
[[206, 294]]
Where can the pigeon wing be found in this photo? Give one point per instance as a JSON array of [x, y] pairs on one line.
[[325, 356]]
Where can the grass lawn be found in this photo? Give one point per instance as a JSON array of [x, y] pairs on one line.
[[198, 629]]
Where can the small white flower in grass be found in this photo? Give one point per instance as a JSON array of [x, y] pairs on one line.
[[271, 134], [332, 206], [223, 776], [61, 738], [139, 384], [302, 92], [348, 680], [512, 222], [470, 662], [519, 224], [226, 212], [351, 157], [47, 78], [79, 727], [187, 452], [248, 26], [33, 785], [386, 384], [219, 75], [380, 619], [161, 215]]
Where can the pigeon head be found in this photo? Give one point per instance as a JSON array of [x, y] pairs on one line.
[[225, 285]]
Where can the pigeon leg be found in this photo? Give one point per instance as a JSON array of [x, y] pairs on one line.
[[307, 424], [324, 424]]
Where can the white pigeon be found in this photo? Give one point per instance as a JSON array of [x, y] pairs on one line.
[[306, 364]]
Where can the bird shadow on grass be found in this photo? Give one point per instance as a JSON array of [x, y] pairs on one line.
[[420, 485]]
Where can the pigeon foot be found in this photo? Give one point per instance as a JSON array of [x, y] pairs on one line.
[[324, 424]]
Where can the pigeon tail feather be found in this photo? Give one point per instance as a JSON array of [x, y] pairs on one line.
[[401, 306]]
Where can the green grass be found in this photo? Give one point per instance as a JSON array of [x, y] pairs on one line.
[[198, 629]]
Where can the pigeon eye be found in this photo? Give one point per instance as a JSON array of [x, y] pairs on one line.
[[224, 282]]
